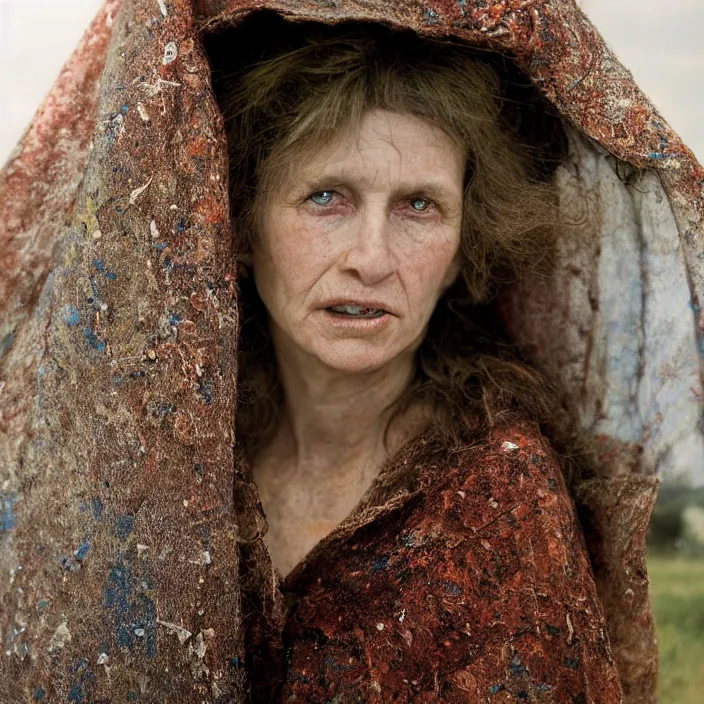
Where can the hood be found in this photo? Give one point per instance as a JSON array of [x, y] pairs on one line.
[[119, 326]]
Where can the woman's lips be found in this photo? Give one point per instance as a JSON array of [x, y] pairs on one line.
[[358, 311], [363, 303], [356, 322]]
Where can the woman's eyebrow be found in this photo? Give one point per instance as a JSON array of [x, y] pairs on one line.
[[435, 190]]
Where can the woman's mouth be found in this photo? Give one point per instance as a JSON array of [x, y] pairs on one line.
[[356, 318], [357, 311]]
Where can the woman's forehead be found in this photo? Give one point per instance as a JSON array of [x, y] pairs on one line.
[[384, 147]]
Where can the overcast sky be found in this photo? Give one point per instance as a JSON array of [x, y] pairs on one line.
[[661, 42]]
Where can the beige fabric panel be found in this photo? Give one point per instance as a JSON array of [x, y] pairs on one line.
[[616, 322]]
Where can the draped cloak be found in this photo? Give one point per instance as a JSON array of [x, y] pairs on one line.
[[121, 526]]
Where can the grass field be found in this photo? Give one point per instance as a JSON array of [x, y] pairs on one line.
[[677, 588]]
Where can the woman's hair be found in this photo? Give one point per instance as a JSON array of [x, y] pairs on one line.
[[289, 102]]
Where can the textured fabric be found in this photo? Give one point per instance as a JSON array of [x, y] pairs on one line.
[[462, 581], [614, 515], [126, 550]]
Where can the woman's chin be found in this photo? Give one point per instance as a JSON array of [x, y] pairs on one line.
[[354, 356]]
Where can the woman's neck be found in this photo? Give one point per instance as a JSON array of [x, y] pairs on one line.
[[328, 448], [331, 418]]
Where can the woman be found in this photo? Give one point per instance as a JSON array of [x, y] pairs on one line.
[[127, 568], [382, 194]]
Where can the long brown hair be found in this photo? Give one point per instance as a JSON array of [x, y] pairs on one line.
[[316, 81]]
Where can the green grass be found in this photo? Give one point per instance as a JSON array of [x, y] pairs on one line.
[[677, 588]]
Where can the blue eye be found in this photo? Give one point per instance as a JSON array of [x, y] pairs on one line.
[[322, 197], [420, 204]]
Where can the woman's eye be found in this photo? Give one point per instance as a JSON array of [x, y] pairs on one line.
[[322, 197], [420, 205]]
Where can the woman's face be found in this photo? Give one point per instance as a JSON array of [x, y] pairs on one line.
[[360, 241]]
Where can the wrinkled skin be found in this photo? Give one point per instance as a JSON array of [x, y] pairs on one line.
[[372, 219]]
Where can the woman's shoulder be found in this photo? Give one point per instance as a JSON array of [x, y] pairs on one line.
[[511, 465], [479, 578], [511, 455], [510, 486]]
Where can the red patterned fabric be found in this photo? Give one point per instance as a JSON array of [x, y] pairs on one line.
[[465, 580], [131, 561]]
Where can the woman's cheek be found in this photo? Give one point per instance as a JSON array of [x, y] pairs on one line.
[[306, 253], [431, 254], [427, 276], [297, 242]]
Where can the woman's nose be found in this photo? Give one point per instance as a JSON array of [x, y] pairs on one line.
[[370, 255]]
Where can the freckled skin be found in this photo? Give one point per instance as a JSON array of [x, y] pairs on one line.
[[373, 217], [367, 243]]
